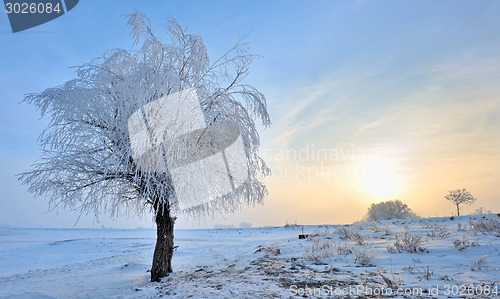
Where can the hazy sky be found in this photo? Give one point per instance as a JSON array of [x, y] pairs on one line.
[[370, 101]]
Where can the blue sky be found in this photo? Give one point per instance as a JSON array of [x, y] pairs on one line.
[[416, 82]]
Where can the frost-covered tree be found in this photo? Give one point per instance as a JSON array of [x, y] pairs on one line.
[[393, 209], [87, 162], [460, 196]]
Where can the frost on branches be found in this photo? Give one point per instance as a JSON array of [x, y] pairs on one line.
[[87, 160], [392, 209]]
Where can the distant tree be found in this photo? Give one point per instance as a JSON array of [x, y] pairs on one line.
[[87, 162], [393, 209], [460, 196]]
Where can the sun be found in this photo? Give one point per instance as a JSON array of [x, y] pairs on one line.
[[380, 179]]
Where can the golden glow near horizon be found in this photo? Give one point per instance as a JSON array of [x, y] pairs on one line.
[[380, 179], [413, 143]]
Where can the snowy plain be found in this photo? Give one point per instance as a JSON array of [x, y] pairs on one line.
[[456, 258]]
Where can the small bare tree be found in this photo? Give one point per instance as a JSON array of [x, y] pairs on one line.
[[460, 196], [88, 163]]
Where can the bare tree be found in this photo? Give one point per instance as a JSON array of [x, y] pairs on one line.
[[460, 196], [88, 163]]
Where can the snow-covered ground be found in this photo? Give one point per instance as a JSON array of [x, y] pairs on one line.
[[457, 258]]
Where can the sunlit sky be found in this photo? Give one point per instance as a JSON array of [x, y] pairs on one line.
[[370, 101]]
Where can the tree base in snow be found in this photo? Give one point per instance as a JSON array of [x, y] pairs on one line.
[[164, 249]]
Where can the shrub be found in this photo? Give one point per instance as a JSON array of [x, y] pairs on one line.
[[387, 231], [344, 232], [480, 263], [274, 249], [374, 227], [343, 250], [393, 209], [392, 282], [425, 273], [410, 268], [363, 257], [482, 211], [319, 250], [360, 239], [487, 225], [464, 243], [438, 231], [461, 227], [407, 242]]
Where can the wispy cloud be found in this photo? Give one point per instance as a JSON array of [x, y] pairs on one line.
[[302, 115], [373, 124], [318, 106]]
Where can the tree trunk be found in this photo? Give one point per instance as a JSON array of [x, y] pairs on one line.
[[164, 250], [458, 211]]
